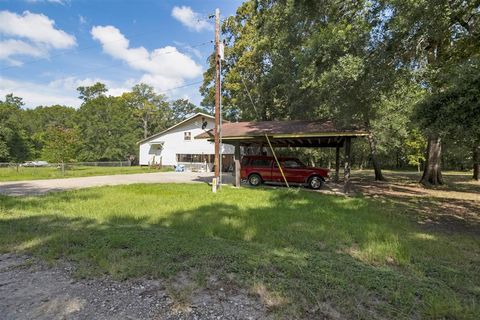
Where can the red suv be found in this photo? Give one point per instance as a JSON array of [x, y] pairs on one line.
[[259, 169]]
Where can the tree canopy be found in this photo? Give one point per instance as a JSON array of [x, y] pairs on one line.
[[373, 63], [103, 128]]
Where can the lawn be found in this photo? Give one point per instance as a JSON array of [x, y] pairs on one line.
[[304, 254], [29, 173]]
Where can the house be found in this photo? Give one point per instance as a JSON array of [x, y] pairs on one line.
[[177, 146]]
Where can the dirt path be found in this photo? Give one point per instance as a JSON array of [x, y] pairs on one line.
[[32, 290], [36, 187]]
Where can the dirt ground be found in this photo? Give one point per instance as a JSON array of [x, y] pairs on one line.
[[30, 289], [452, 207]]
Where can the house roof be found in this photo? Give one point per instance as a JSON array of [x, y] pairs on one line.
[[295, 133], [176, 125], [279, 129]]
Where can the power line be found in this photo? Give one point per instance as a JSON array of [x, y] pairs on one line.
[[249, 96], [149, 57], [186, 85]]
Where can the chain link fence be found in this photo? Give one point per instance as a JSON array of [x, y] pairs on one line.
[[39, 164]]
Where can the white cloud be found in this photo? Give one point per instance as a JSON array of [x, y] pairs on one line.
[[164, 67], [35, 27], [60, 91], [71, 84], [63, 91], [12, 47], [82, 19], [190, 49], [191, 19], [34, 94]]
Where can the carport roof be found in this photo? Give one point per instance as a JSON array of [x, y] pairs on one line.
[[290, 132]]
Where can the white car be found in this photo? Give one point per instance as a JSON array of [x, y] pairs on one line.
[[35, 164]]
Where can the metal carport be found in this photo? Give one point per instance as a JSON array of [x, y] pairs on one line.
[[291, 133]]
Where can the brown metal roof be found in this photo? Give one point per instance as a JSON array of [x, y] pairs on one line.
[[293, 133], [283, 129]]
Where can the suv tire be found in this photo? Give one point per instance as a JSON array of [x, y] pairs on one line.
[[315, 182], [255, 180]]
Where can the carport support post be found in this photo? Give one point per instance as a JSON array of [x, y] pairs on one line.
[[237, 164], [337, 162], [346, 174]]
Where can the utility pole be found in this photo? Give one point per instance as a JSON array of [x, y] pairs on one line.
[[217, 95]]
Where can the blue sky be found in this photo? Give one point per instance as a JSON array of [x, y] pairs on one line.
[[50, 47]]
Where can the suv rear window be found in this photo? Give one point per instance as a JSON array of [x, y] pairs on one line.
[[260, 163], [292, 164]]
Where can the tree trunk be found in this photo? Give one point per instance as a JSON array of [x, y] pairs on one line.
[[476, 162], [373, 154], [432, 174], [145, 128]]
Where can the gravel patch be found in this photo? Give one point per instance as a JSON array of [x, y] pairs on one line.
[[29, 289], [39, 187]]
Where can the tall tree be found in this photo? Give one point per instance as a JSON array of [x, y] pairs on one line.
[[415, 145], [429, 36], [149, 108], [60, 145], [107, 128], [14, 143], [37, 121], [183, 108], [94, 91], [305, 59]]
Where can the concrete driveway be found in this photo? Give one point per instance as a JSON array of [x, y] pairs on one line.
[[37, 187]]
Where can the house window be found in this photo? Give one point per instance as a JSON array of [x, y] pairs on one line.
[[195, 158], [187, 135]]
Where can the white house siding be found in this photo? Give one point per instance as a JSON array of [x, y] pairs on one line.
[[174, 143]]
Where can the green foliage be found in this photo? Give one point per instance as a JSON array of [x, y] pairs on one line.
[[41, 117], [14, 143], [301, 60], [60, 144], [454, 111], [37, 120], [92, 92], [415, 148], [182, 109], [151, 110], [355, 62], [107, 129]]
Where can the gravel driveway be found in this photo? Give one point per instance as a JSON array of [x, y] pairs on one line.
[[37, 187], [30, 289]]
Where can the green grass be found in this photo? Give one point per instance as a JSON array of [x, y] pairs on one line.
[[365, 258], [28, 173]]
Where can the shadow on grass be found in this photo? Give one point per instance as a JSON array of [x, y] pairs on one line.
[[356, 255], [458, 182], [453, 207]]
